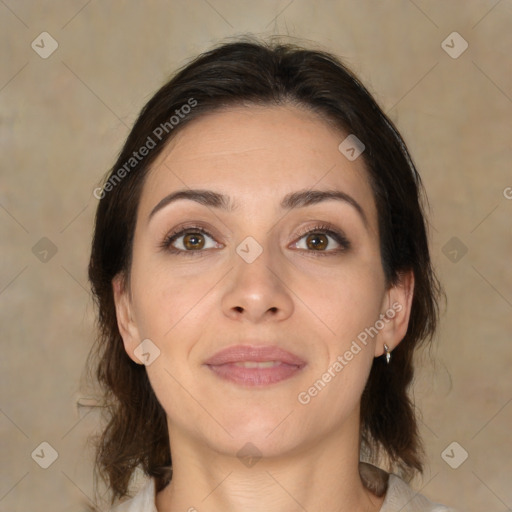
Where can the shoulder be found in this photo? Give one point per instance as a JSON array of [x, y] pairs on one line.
[[143, 501], [401, 497]]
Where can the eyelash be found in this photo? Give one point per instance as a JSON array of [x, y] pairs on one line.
[[324, 229]]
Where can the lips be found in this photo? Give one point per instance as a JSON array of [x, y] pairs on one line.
[[255, 366], [241, 353]]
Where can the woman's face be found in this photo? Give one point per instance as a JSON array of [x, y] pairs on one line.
[[273, 264]]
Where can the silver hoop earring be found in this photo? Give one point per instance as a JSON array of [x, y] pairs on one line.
[[388, 353]]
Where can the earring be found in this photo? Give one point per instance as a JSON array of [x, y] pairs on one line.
[[388, 353]]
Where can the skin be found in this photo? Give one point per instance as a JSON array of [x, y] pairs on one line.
[[314, 305]]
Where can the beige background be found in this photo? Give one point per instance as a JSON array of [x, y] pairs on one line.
[[64, 118]]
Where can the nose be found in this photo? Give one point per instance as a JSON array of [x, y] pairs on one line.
[[257, 291]]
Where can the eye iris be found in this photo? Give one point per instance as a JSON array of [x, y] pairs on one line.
[[317, 241], [193, 241]]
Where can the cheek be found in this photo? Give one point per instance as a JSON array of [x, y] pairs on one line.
[[346, 307], [165, 298], [346, 300]]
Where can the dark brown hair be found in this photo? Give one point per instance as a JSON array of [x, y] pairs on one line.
[[251, 72]]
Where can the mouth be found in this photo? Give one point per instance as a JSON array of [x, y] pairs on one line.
[[255, 365]]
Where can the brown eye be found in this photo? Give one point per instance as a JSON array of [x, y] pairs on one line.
[[193, 241], [317, 241], [323, 240]]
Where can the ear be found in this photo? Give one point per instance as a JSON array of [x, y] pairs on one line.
[[127, 326], [396, 311]]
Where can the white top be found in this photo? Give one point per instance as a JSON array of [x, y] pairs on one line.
[[399, 498]]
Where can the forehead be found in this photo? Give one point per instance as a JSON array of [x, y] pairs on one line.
[[257, 153]]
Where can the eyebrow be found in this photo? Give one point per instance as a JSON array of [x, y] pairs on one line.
[[299, 199]]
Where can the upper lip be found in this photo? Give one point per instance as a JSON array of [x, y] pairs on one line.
[[259, 354]]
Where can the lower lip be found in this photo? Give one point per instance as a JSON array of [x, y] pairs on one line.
[[255, 376]]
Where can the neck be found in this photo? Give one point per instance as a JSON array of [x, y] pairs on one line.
[[323, 477]]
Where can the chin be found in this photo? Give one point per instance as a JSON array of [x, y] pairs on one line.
[[267, 434]]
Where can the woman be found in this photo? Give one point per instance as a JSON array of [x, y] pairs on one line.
[[262, 272]]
